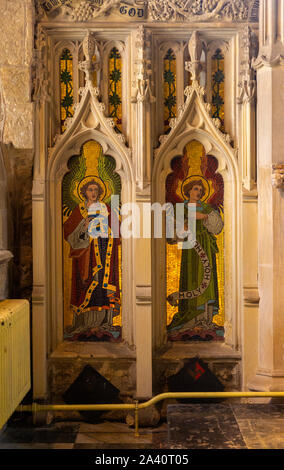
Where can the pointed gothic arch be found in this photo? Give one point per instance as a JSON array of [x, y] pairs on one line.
[[195, 123], [88, 123]]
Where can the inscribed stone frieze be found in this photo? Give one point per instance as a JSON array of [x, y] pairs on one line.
[[152, 10]]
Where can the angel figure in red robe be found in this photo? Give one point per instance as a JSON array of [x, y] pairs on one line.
[[95, 293]]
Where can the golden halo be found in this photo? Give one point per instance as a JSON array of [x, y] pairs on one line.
[[196, 178], [98, 181]]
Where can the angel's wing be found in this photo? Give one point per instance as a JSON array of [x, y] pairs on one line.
[[106, 171], [77, 165]]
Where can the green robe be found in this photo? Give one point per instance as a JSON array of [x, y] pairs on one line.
[[191, 274]]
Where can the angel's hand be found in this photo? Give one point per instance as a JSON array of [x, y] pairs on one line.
[[86, 224]]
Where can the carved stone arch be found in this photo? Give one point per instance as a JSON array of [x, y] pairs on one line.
[[195, 123], [109, 45], [174, 45], [88, 123], [64, 44]]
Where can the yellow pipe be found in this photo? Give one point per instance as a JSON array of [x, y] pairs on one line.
[[35, 407], [39, 407], [164, 396], [136, 419], [152, 401]]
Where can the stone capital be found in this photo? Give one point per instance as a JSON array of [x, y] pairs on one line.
[[278, 176]]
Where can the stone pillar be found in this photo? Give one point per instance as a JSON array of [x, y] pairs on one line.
[[39, 304], [142, 100], [247, 99], [270, 155]]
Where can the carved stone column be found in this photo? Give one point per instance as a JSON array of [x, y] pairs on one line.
[[142, 100], [247, 100], [39, 330], [270, 140]]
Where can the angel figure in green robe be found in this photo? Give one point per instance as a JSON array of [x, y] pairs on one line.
[[198, 298]]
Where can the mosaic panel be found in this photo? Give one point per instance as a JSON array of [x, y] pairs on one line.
[[91, 248], [66, 87], [218, 91], [195, 276], [170, 97], [115, 88]]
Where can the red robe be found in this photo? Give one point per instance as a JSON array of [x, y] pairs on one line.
[[95, 269]]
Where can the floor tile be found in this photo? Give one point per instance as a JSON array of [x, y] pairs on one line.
[[36, 445], [50, 436], [207, 426], [255, 411], [189, 426], [15, 435], [113, 438], [263, 433]]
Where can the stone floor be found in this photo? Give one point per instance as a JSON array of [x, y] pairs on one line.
[[188, 426], [226, 426]]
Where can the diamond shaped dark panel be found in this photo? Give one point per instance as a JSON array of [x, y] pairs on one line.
[[195, 376], [90, 387]]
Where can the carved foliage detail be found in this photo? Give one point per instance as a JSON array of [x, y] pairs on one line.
[[40, 73], [89, 65], [143, 73], [161, 10], [278, 176], [158, 10], [249, 46]]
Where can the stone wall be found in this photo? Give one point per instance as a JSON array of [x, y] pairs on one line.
[[16, 55], [17, 136]]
